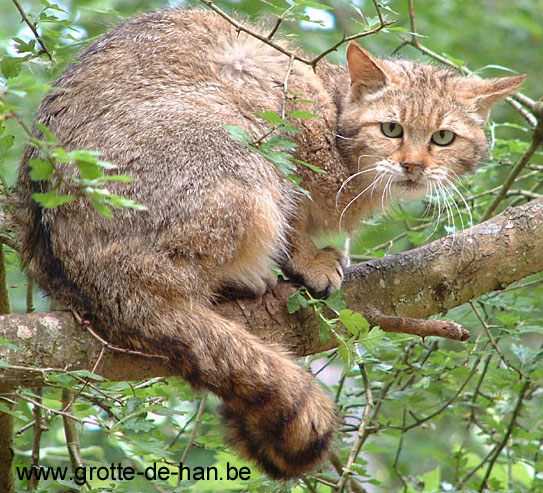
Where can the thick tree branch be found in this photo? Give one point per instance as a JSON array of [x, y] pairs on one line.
[[422, 282]]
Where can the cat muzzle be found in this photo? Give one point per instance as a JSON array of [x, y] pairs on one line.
[[413, 170]]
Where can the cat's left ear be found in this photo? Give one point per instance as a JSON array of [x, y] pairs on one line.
[[487, 92], [367, 73]]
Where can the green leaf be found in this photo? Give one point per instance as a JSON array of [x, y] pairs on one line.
[[41, 169], [279, 142], [347, 351], [270, 117], [52, 199], [296, 301], [87, 374], [457, 61], [6, 142], [354, 322], [312, 4], [324, 329], [335, 302], [372, 339], [11, 67], [303, 115], [310, 166], [47, 133], [52, 6], [23, 46], [238, 134], [102, 208], [89, 170], [431, 479], [118, 201], [8, 344], [123, 178], [6, 410]]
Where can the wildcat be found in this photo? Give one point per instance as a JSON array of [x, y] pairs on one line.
[[153, 95]]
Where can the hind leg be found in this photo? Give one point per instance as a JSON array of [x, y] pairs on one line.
[[234, 238]]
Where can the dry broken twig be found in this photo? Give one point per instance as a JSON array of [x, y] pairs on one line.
[[415, 326]]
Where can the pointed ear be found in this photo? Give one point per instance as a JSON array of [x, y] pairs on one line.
[[366, 72], [487, 92]]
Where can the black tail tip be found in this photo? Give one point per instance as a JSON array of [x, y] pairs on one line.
[[280, 458]]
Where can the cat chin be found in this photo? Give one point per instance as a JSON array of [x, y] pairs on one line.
[[409, 190]]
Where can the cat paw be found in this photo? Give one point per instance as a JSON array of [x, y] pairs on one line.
[[321, 274], [251, 287]]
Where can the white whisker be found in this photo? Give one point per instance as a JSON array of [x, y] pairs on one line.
[[448, 208], [439, 209], [352, 177], [387, 188], [451, 196], [457, 178], [468, 209], [430, 197], [380, 158], [377, 179], [341, 136]]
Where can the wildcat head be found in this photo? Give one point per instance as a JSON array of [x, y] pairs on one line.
[[408, 129]]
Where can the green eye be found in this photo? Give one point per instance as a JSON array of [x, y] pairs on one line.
[[392, 130], [443, 137]]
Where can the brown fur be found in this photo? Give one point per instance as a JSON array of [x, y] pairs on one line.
[[153, 95]]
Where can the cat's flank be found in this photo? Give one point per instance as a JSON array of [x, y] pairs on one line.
[[153, 95]]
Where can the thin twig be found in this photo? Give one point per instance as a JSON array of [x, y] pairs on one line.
[[335, 460], [398, 452], [275, 27], [499, 447], [526, 101], [86, 382], [309, 486], [414, 39], [359, 440], [285, 88], [443, 407], [70, 430], [29, 294], [85, 325], [36, 440], [532, 120], [195, 429], [266, 39], [22, 429], [54, 411], [515, 171], [33, 28], [492, 340], [9, 241]]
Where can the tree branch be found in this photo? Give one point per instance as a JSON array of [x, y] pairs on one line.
[[34, 29], [422, 282], [308, 61]]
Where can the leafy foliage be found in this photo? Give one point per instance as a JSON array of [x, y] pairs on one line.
[[274, 145], [429, 415]]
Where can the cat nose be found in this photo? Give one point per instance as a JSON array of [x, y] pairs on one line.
[[413, 170]]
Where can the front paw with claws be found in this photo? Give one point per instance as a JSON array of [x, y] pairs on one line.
[[321, 272]]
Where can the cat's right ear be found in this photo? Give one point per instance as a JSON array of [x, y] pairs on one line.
[[365, 71]]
